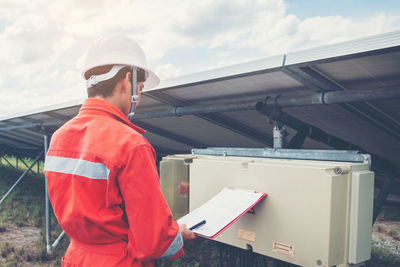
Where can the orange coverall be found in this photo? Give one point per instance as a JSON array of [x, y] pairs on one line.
[[104, 189]]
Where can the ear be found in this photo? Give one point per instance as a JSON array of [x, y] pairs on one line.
[[126, 81], [128, 76]]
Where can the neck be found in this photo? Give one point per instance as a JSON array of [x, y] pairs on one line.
[[115, 101]]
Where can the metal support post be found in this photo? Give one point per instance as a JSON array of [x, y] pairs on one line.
[[20, 178], [16, 159], [2, 155], [381, 198], [55, 244], [49, 246], [298, 140], [26, 165], [9, 163], [279, 136], [38, 169], [47, 201]]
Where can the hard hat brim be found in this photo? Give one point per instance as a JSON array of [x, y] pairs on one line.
[[151, 81]]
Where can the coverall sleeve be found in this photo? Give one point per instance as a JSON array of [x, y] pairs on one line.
[[152, 232]]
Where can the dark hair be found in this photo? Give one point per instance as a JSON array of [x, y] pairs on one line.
[[105, 88]]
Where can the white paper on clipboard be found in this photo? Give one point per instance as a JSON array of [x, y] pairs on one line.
[[221, 211]]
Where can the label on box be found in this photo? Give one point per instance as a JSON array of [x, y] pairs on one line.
[[283, 248], [246, 235]]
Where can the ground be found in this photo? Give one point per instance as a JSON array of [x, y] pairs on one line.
[[386, 239], [23, 248], [22, 237]]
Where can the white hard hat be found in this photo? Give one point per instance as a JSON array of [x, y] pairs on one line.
[[118, 50]]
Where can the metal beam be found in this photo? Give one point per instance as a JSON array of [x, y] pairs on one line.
[[26, 164], [57, 241], [29, 135], [304, 79], [217, 119], [28, 121], [19, 141], [57, 116], [392, 203], [8, 162], [238, 128], [317, 134], [318, 81], [169, 135], [22, 136], [324, 98], [20, 178], [298, 140], [20, 152], [373, 113], [280, 153], [165, 151], [39, 125]]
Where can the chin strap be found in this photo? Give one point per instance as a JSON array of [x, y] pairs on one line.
[[135, 97], [95, 79]]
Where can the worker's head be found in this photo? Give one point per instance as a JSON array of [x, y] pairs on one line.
[[115, 67]]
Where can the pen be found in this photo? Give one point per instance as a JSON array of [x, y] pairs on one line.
[[197, 225]]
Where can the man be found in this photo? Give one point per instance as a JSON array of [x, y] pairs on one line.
[[102, 179]]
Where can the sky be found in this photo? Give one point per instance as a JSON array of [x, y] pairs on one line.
[[42, 42]]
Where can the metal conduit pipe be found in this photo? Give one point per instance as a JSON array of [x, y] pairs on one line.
[[324, 98], [201, 109], [335, 97]]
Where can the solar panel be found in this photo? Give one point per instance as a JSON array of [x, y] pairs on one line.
[[368, 63]]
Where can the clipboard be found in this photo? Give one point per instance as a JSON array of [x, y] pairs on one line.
[[221, 211]]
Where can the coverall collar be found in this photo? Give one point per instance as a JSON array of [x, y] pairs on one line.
[[101, 105]]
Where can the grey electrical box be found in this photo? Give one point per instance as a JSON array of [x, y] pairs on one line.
[[317, 213]]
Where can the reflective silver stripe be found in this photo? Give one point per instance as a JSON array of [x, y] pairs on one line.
[[174, 248], [79, 167]]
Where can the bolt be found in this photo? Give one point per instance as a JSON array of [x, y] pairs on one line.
[[338, 170]]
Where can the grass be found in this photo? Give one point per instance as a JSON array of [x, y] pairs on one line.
[[384, 257], [24, 207], [21, 166]]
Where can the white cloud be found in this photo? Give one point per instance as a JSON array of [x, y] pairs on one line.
[[337, 29], [42, 42], [168, 71]]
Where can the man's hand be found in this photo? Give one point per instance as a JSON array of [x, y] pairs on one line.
[[186, 233]]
